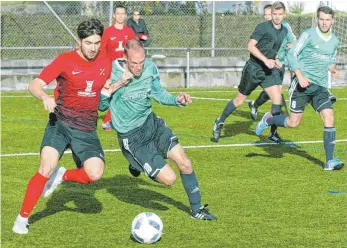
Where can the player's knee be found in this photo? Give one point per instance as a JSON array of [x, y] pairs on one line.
[[169, 179], [329, 121], [186, 166], [96, 173], [293, 123], [238, 101]]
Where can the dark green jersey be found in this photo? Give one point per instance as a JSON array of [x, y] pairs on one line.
[[269, 40]]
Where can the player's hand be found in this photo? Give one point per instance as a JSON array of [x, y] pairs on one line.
[[304, 82], [49, 103], [127, 76], [184, 98], [278, 64], [335, 74], [289, 45], [270, 63], [144, 37]]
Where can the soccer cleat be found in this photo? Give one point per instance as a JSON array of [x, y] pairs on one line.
[[217, 129], [334, 164], [133, 171], [254, 110], [203, 214], [107, 126], [54, 181], [20, 225], [262, 125], [332, 97], [275, 137]]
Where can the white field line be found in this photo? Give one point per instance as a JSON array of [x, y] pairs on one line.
[[224, 99], [196, 147]]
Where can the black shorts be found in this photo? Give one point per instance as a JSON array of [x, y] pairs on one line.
[[316, 95], [254, 75], [146, 147], [83, 144]]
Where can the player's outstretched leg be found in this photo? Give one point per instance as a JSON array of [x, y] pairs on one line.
[[190, 183]]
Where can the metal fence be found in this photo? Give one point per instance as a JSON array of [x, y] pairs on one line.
[[35, 30]]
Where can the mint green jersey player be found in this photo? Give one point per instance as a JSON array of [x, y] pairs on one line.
[[282, 52], [132, 103], [313, 53]]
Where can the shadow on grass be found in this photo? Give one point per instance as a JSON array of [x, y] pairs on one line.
[[125, 188], [278, 151], [238, 127]]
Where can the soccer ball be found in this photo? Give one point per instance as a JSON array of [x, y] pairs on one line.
[[147, 228]]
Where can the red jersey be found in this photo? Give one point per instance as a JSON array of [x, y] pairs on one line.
[[79, 84], [113, 40]]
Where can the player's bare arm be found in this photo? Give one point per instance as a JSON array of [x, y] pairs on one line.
[[270, 63], [36, 89], [110, 88], [334, 72], [303, 81]]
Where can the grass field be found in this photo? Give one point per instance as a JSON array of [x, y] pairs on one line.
[[263, 195]]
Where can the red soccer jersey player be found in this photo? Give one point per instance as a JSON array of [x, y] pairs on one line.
[[81, 75], [79, 83], [113, 41]]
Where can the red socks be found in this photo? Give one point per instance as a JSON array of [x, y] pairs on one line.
[[32, 195], [78, 176], [107, 117]]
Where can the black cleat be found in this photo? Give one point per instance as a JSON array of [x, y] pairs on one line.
[[203, 214], [217, 129], [275, 137], [133, 171], [254, 110]]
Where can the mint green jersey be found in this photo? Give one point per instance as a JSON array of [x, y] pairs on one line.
[[282, 52], [131, 104], [313, 53]]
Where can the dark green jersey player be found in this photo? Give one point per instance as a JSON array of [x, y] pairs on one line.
[[311, 58], [144, 138], [263, 68]]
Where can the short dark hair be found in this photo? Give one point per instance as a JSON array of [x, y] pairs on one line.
[[278, 5], [132, 44], [326, 10], [89, 28], [120, 7], [268, 6]]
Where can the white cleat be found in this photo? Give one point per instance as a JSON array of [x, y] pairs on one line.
[[54, 181], [20, 225]]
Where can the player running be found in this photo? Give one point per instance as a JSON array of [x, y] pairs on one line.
[[144, 138], [81, 74], [288, 42], [263, 68], [311, 58]]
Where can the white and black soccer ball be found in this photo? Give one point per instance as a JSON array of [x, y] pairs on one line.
[[147, 228]]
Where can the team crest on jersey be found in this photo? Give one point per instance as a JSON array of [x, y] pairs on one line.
[[88, 90]]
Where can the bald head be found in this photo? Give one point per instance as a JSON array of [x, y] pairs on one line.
[[133, 45], [134, 55]]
